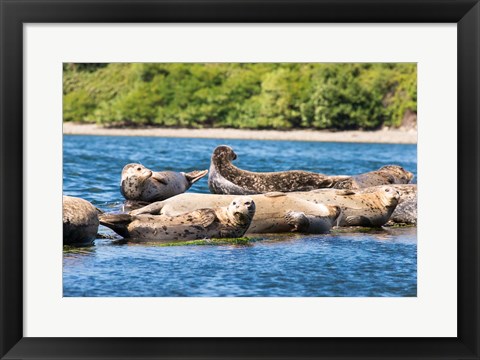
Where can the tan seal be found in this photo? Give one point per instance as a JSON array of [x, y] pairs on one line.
[[221, 222], [142, 184], [275, 212], [359, 208], [80, 221], [406, 210]]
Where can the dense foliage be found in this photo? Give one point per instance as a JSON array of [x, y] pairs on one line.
[[262, 95]]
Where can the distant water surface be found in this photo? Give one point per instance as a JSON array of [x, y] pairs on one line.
[[376, 263]]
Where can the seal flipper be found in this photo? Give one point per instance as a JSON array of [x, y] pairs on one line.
[[117, 222], [195, 175], [298, 221], [160, 178], [274, 194], [345, 192], [152, 209], [206, 217], [357, 221]]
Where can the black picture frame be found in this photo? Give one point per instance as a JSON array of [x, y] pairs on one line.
[[14, 13]]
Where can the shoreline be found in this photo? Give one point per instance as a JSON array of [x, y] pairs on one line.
[[385, 136]]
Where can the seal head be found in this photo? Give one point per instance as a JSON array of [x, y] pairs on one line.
[[398, 173], [241, 210], [144, 185], [134, 177]]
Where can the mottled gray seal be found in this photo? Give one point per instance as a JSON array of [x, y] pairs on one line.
[[80, 221], [406, 210], [275, 212], [222, 222], [141, 184], [386, 175], [226, 178]]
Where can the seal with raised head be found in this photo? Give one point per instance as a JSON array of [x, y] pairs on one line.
[[80, 221], [141, 184], [275, 212], [386, 175], [406, 210], [226, 178], [222, 222]]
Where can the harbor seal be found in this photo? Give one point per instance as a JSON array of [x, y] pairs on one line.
[[275, 212], [141, 184], [406, 211], [226, 178], [223, 222], [80, 221], [386, 175], [359, 208]]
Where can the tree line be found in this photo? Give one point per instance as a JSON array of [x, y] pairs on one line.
[[339, 96]]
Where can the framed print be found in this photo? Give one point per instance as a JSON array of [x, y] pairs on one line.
[[239, 179]]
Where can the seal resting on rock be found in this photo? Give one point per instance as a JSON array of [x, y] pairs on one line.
[[141, 184], [406, 210], [357, 208], [226, 178], [386, 175], [275, 212], [222, 222], [80, 221]]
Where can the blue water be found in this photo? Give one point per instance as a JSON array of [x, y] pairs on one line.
[[377, 263]]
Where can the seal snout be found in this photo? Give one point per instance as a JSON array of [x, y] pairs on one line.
[[243, 207], [392, 194]]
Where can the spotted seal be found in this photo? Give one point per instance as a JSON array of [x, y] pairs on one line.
[[141, 184], [80, 221], [386, 175], [226, 178], [406, 210], [275, 212], [222, 222]]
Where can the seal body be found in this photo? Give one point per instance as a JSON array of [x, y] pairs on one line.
[[359, 208], [406, 210], [275, 212], [80, 221], [222, 222], [386, 175], [141, 184], [225, 178]]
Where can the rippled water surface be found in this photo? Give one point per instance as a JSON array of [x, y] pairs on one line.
[[376, 263]]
